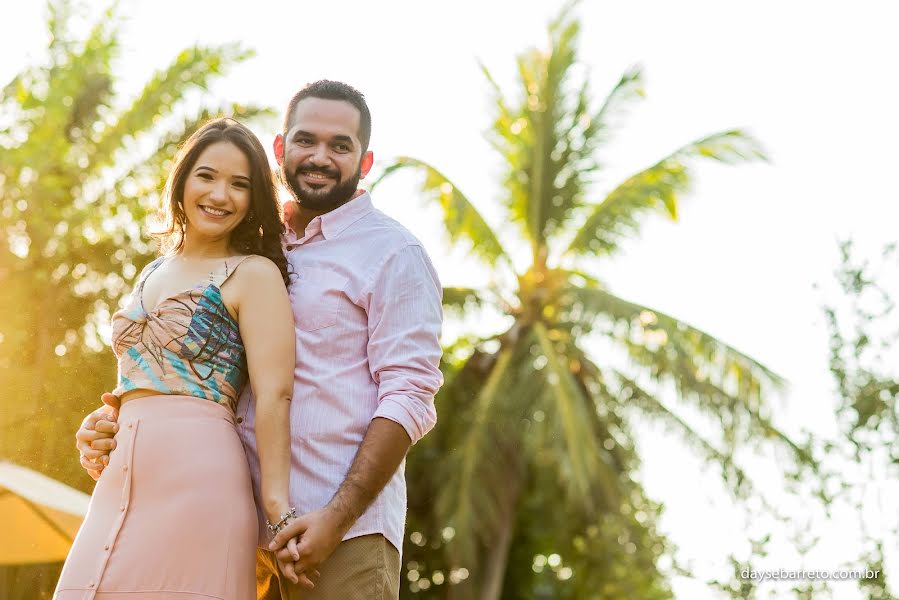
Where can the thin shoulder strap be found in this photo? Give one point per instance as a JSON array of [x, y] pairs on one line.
[[230, 265], [146, 272]]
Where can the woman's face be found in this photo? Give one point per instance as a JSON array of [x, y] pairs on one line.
[[217, 192]]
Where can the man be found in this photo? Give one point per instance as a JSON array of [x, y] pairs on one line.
[[367, 314]]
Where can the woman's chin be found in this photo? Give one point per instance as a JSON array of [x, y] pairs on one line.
[[212, 232]]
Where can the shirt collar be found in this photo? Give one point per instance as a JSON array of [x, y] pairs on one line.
[[332, 224]]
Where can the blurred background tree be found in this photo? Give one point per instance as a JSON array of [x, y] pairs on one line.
[[528, 486], [864, 350], [862, 457], [81, 169]]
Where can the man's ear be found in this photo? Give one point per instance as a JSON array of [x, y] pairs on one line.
[[368, 159], [278, 147]]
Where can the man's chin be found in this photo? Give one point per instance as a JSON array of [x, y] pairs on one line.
[[317, 200], [324, 199]]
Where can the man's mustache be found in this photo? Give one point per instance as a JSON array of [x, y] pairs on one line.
[[323, 170]]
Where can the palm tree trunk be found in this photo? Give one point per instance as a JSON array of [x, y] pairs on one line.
[[498, 554], [488, 575]]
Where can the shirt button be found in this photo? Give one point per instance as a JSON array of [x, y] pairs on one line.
[[240, 419], [125, 467], [106, 547], [130, 425], [122, 508]]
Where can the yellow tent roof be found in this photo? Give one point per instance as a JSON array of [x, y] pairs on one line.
[[40, 516]]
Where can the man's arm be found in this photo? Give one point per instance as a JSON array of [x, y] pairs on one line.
[[383, 449], [380, 455], [404, 314]]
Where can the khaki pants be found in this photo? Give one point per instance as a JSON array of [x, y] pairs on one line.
[[361, 568]]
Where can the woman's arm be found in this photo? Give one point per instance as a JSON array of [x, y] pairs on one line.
[[266, 326]]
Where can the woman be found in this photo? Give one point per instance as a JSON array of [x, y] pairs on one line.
[[172, 516]]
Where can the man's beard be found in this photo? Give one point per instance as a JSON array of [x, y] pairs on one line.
[[320, 200]]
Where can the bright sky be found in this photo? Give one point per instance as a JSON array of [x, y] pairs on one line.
[[816, 82]]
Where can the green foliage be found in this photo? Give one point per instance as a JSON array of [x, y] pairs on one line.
[[657, 188], [863, 340], [461, 218], [534, 455], [863, 344], [81, 168]]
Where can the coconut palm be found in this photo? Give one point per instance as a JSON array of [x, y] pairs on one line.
[[538, 417], [81, 168]]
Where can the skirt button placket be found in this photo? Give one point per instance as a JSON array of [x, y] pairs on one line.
[[128, 448]]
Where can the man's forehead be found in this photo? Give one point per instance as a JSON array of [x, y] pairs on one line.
[[319, 115]]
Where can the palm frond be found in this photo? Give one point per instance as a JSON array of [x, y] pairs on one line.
[[720, 380], [462, 299], [465, 502], [587, 473], [193, 68], [547, 140], [629, 88], [592, 307], [461, 219], [656, 189], [649, 406], [504, 133]]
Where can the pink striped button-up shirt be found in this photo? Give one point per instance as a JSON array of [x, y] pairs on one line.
[[367, 311]]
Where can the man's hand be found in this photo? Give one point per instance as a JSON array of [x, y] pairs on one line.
[[319, 534], [286, 560], [94, 439]]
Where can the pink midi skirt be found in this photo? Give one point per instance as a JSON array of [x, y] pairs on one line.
[[172, 517]]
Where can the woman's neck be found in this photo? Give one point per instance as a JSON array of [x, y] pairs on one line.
[[203, 248]]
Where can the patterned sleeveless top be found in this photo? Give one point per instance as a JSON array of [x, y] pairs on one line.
[[188, 345]]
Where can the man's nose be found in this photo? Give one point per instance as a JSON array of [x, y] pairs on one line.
[[319, 155]]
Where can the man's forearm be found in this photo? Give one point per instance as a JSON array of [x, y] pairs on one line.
[[383, 449]]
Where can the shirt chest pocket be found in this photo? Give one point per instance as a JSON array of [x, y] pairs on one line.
[[316, 298]]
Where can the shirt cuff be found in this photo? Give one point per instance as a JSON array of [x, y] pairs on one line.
[[415, 416]]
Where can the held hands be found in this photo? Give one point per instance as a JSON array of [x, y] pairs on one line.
[[307, 541], [286, 562], [94, 439]]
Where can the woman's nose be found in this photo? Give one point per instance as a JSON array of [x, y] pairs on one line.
[[219, 191]]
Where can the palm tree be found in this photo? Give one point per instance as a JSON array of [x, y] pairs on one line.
[[81, 168], [535, 421]]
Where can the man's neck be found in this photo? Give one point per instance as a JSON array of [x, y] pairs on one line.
[[303, 216]]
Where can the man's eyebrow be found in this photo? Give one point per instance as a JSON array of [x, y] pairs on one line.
[[337, 138]]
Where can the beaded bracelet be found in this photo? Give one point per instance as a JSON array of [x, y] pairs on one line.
[[275, 528]]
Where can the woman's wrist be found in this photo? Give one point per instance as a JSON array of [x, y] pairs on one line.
[[275, 507], [279, 523]]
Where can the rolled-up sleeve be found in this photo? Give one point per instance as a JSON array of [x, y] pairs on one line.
[[405, 314]]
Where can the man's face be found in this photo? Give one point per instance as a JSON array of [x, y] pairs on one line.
[[320, 154]]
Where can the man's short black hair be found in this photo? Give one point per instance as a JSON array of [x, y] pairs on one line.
[[334, 90]]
